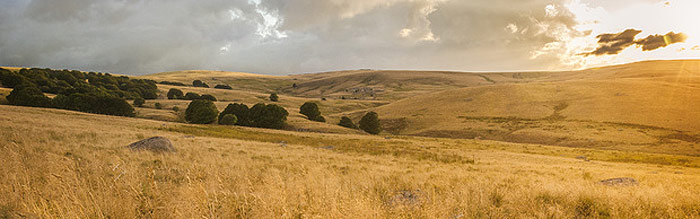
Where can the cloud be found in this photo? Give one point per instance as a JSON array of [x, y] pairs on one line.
[[657, 41], [612, 44]]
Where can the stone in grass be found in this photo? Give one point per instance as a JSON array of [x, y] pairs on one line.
[[620, 181], [154, 144]]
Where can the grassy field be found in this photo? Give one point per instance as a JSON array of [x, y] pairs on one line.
[[64, 164]]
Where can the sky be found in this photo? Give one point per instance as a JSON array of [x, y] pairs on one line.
[[279, 37]]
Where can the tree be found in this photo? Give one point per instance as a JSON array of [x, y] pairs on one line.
[[240, 110], [176, 109], [10, 79], [347, 122], [310, 110], [268, 116], [228, 119], [192, 96], [274, 97], [198, 83], [139, 102], [370, 123], [222, 86], [201, 112], [175, 93], [27, 95], [208, 97], [158, 106]]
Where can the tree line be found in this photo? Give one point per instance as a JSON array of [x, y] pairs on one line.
[[91, 92]]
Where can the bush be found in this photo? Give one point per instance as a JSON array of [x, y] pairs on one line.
[[208, 97], [175, 93], [173, 83], [274, 97], [370, 123], [158, 106], [192, 96], [201, 112], [198, 83], [228, 119], [241, 112], [268, 116], [347, 122], [221, 86], [27, 95], [94, 103], [318, 118], [176, 109], [310, 110], [139, 102]]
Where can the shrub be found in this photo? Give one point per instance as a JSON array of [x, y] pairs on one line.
[[173, 83], [347, 122], [159, 106], [139, 102], [176, 109], [370, 123], [201, 112], [318, 118], [310, 110], [268, 116], [208, 97], [198, 83], [175, 93], [240, 110], [94, 103], [228, 119], [274, 97], [27, 95], [221, 86], [192, 96]]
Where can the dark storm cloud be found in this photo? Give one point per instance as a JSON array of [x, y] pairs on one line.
[[611, 44], [280, 36]]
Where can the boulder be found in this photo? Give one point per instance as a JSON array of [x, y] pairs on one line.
[[154, 144]]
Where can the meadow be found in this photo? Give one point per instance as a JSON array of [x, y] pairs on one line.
[[65, 164]]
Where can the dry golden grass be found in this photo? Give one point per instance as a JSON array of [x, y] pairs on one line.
[[63, 164]]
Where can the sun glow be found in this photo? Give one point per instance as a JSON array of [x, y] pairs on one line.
[[679, 16]]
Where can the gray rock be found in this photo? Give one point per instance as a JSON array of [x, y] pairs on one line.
[[584, 158], [154, 144], [620, 181]]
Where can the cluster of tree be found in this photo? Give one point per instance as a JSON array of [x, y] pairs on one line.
[[260, 115], [369, 123], [173, 83], [177, 94], [199, 83], [310, 110], [67, 82], [86, 92], [223, 86]]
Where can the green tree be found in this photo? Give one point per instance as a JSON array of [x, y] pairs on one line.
[[27, 95], [370, 123], [139, 102], [347, 122], [175, 93], [201, 112], [208, 97], [240, 110], [318, 118], [310, 110], [198, 83], [10, 79], [158, 106], [176, 109], [274, 97], [228, 119], [192, 96], [268, 116]]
